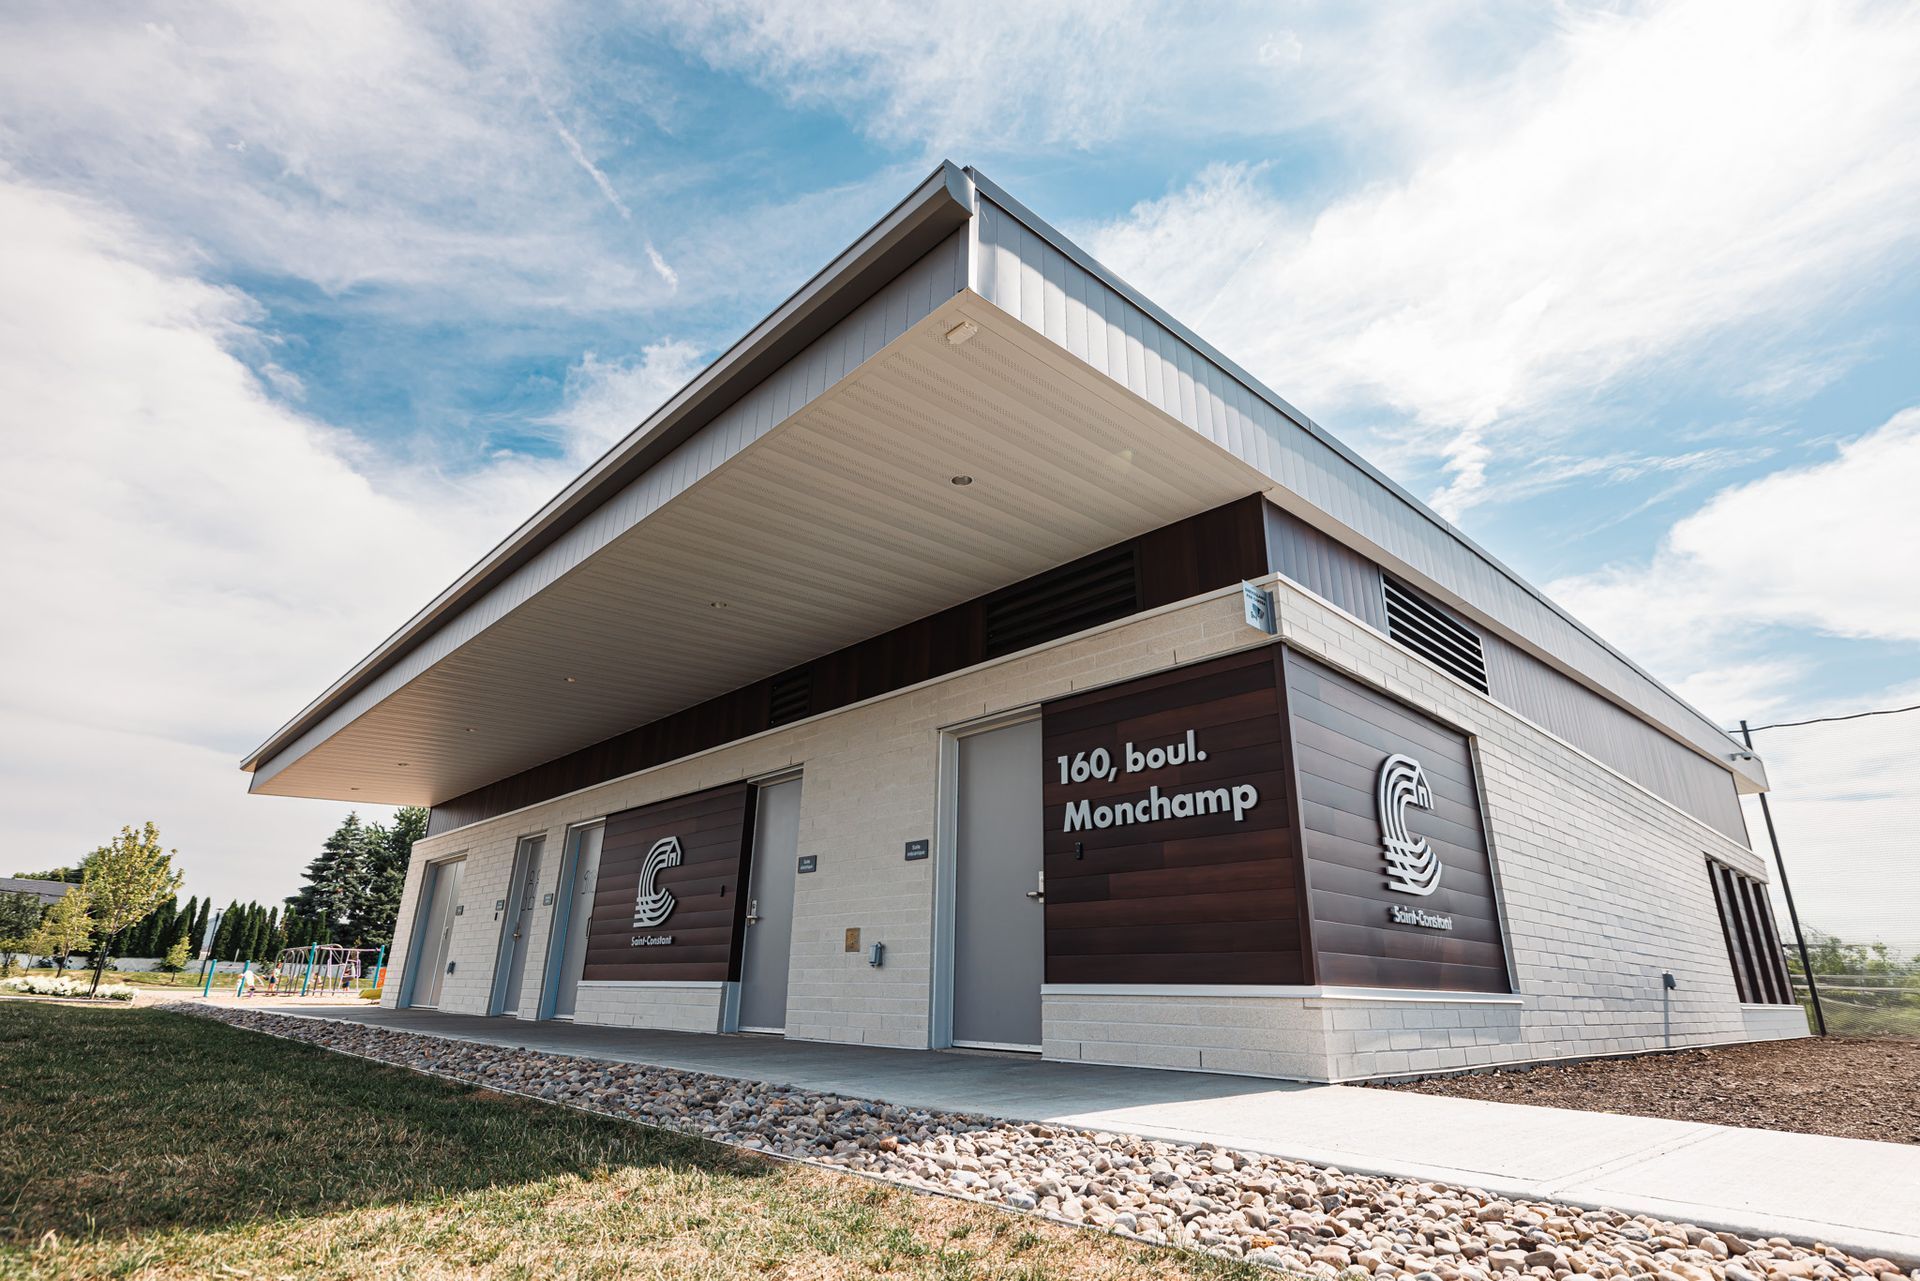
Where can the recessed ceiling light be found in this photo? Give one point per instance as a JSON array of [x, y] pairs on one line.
[[353, 789], [400, 764], [716, 604], [472, 730], [963, 480], [570, 680]]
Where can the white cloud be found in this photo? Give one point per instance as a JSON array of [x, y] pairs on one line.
[[606, 399], [344, 144], [1826, 548], [189, 559], [1046, 75], [1845, 807], [1636, 189]]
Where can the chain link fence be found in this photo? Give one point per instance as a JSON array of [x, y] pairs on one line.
[[1846, 806]]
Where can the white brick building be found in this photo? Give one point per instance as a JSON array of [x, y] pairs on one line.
[[894, 685]]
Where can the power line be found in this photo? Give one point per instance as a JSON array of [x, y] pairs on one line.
[[1822, 720]]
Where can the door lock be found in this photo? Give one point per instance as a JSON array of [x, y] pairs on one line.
[[753, 911], [1040, 890]]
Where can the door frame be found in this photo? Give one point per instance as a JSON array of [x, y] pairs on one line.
[[502, 966], [423, 905], [560, 920], [946, 863], [730, 990]]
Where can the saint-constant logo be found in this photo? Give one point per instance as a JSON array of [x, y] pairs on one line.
[[1413, 866], [654, 903]]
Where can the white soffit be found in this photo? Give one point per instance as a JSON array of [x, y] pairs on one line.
[[840, 523]]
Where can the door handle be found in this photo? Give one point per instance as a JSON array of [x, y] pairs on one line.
[[1040, 890], [753, 911]]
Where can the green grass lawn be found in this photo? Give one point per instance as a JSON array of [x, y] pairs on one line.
[[140, 1143]]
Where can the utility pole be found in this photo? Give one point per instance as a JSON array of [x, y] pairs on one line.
[[1793, 913]]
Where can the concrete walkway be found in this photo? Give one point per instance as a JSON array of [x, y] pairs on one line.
[[1862, 1197]]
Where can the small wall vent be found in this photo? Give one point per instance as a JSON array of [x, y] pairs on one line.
[[791, 698], [1434, 634], [1094, 590]]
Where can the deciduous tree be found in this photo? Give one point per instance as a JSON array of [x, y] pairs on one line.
[[64, 929], [19, 920], [125, 879]]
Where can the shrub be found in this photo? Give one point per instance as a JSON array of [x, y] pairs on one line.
[[41, 985]]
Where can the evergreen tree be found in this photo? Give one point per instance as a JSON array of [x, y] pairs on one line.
[[223, 933], [257, 944], [182, 928], [199, 930], [391, 849], [146, 938], [275, 939], [335, 895], [162, 932]]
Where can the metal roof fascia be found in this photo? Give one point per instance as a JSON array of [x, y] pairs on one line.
[[938, 207], [1040, 227]]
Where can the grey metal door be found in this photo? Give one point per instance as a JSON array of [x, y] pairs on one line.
[[769, 935], [573, 915], [523, 895], [439, 894], [999, 922]]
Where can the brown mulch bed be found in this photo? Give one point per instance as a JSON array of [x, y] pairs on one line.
[[1853, 1088]]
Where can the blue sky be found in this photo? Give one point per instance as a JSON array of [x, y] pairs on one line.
[[311, 304]]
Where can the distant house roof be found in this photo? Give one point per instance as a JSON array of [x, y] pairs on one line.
[[50, 892]]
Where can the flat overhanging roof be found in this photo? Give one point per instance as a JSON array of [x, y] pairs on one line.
[[795, 498]]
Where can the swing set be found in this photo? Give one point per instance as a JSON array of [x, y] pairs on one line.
[[323, 969]]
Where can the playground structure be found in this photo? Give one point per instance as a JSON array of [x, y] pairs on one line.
[[319, 969]]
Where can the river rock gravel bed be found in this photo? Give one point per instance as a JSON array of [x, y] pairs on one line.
[[1307, 1219]]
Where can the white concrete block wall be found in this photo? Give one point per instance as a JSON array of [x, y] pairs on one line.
[[1604, 885]]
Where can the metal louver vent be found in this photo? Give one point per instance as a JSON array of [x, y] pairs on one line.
[[791, 698], [1434, 634], [1072, 598]]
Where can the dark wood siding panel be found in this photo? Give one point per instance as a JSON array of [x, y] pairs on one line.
[[714, 828], [1196, 899], [1343, 732], [1214, 549]]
